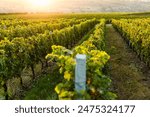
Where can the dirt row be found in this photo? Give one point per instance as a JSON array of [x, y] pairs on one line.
[[130, 76]]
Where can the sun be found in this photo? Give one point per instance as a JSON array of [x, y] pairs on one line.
[[40, 3]]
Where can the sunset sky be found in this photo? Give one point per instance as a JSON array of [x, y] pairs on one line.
[[71, 5]]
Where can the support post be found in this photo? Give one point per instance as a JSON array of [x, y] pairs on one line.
[[80, 73]]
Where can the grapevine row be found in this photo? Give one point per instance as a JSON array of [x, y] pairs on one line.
[[33, 29], [137, 34], [97, 83], [21, 53], [16, 22]]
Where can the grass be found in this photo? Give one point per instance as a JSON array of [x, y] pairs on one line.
[[43, 88]]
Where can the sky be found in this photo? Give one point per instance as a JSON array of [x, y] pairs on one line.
[[73, 5]]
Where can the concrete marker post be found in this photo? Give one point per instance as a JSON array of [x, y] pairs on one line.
[[80, 73]]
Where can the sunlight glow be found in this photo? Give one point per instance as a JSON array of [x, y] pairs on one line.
[[40, 3]]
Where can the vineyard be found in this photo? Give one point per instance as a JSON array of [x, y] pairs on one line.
[[37, 56], [137, 35]]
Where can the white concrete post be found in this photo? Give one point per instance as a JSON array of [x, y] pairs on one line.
[[80, 73]]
